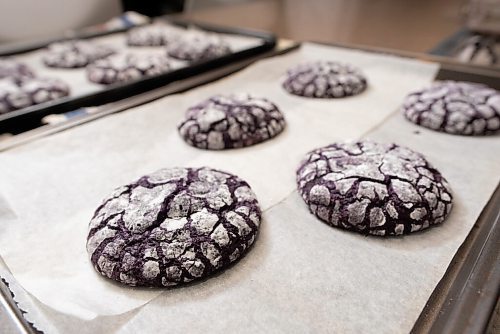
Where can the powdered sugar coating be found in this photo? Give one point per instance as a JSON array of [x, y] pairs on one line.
[[173, 226], [324, 79], [123, 68], [198, 46], [152, 35], [372, 188], [231, 121], [459, 108], [11, 69], [29, 92], [75, 53]]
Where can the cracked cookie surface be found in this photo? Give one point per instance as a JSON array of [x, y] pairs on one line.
[[173, 226], [29, 92], [324, 79], [373, 188], [154, 35], [231, 121], [75, 54], [14, 70], [126, 67], [460, 108], [198, 46]]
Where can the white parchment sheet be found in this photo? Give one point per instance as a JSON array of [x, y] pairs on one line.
[[76, 78], [302, 275]]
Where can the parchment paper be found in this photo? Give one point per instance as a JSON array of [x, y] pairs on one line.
[[53, 185], [77, 78]]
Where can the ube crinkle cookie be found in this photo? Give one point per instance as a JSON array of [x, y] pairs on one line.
[[152, 35], [198, 46], [9, 68], [123, 68], [460, 108], [173, 226], [324, 79], [29, 92], [44, 89], [12, 97], [231, 121], [373, 188], [75, 53]]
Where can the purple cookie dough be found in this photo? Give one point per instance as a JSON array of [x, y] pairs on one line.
[[12, 69], [152, 35], [231, 121], [324, 79], [372, 188], [29, 92], [198, 46], [125, 68], [459, 108], [173, 226], [75, 54]]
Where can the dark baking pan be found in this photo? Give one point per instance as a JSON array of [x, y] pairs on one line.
[[28, 118]]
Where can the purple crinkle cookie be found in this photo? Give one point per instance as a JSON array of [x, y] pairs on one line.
[[29, 92], [459, 108], [14, 70], [75, 53], [173, 226], [152, 35], [198, 46], [123, 68], [231, 121], [324, 79], [372, 188]]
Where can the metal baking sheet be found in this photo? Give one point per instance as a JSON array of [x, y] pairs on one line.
[[87, 94], [484, 227]]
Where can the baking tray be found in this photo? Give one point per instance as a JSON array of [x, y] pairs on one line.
[[463, 301], [28, 118]]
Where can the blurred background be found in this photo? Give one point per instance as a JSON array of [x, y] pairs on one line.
[[467, 30]]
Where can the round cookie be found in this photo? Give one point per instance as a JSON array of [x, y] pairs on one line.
[[324, 79], [125, 68], [75, 54], [372, 188], [459, 108], [12, 69], [173, 226], [29, 92], [231, 121], [12, 97], [152, 35], [198, 46]]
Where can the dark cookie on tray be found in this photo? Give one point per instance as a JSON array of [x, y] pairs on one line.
[[123, 68], [75, 53], [12, 97], [9, 68], [29, 92], [44, 89], [324, 79], [373, 188], [231, 121], [198, 46], [460, 108], [152, 35], [173, 226]]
